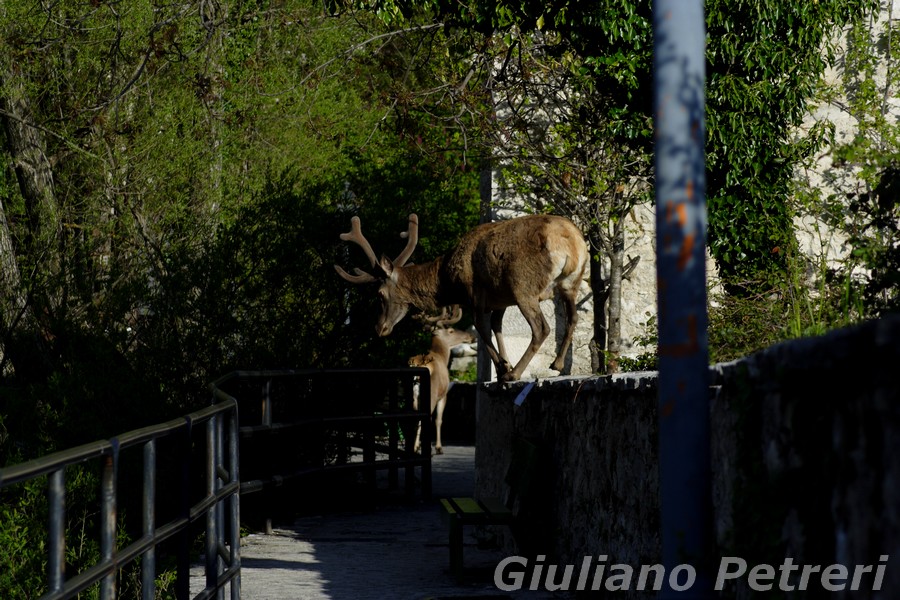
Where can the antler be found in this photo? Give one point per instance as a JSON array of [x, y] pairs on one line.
[[412, 235], [355, 235], [452, 318], [442, 320]]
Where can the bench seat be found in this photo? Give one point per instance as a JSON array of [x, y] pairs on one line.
[[461, 512]]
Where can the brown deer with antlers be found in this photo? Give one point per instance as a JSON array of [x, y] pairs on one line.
[[494, 266], [443, 337]]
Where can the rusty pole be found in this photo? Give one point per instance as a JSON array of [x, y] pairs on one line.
[[684, 453]]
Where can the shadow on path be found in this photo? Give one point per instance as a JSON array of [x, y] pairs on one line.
[[392, 552]]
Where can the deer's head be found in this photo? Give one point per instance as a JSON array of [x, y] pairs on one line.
[[394, 301], [434, 323]]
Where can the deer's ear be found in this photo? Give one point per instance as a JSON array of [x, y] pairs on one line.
[[386, 265]]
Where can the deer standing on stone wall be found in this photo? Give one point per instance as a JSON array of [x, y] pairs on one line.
[[495, 265], [443, 337]]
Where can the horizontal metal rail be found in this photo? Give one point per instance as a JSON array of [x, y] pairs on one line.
[[221, 500]]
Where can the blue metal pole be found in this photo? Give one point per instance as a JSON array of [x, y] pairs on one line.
[[684, 453]]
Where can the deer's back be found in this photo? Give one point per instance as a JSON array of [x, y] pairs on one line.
[[496, 263]]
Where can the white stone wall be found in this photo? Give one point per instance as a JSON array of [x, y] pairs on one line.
[[639, 290], [823, 245]]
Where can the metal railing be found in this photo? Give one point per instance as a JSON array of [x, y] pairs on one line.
[[219, 505], [355, 412], [371, 425]]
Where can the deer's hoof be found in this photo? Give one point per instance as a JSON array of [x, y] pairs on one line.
[[503, 371], [438, 450], [510, 376]]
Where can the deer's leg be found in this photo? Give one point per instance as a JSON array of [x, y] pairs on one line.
[[571, 309], [483, 322], [497, 328], [539, 332], [438, 419]]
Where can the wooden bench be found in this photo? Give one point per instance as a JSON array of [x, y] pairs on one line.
[[461, 512]]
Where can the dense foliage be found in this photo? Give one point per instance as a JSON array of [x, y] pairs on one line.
[[758, 93], [860, 202], [173, 180], [200, 167]]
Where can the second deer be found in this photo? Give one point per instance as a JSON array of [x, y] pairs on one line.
[[443, 337]]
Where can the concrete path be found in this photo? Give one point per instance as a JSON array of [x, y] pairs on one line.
[[393, 552]]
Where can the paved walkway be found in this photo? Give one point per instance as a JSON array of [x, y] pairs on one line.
[[393, 552]]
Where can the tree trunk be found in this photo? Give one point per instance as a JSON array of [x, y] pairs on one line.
[[13, 305], [25, 144], [23, 342], [21, 346], [483, 364], [600, 289], [614, 330], [213, 19]]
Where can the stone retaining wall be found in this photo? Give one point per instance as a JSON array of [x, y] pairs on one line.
[[805, 459]]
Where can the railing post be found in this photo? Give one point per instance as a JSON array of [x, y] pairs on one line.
[[57, 529], [183, 572], [368, 451], [221, 481], [235, 512], [393, 432], [212, 536], [267, 421], [148, 564], [427, 429], [108, 517], [267, 403]]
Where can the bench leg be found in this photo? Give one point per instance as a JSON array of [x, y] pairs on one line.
[[456, 547]]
